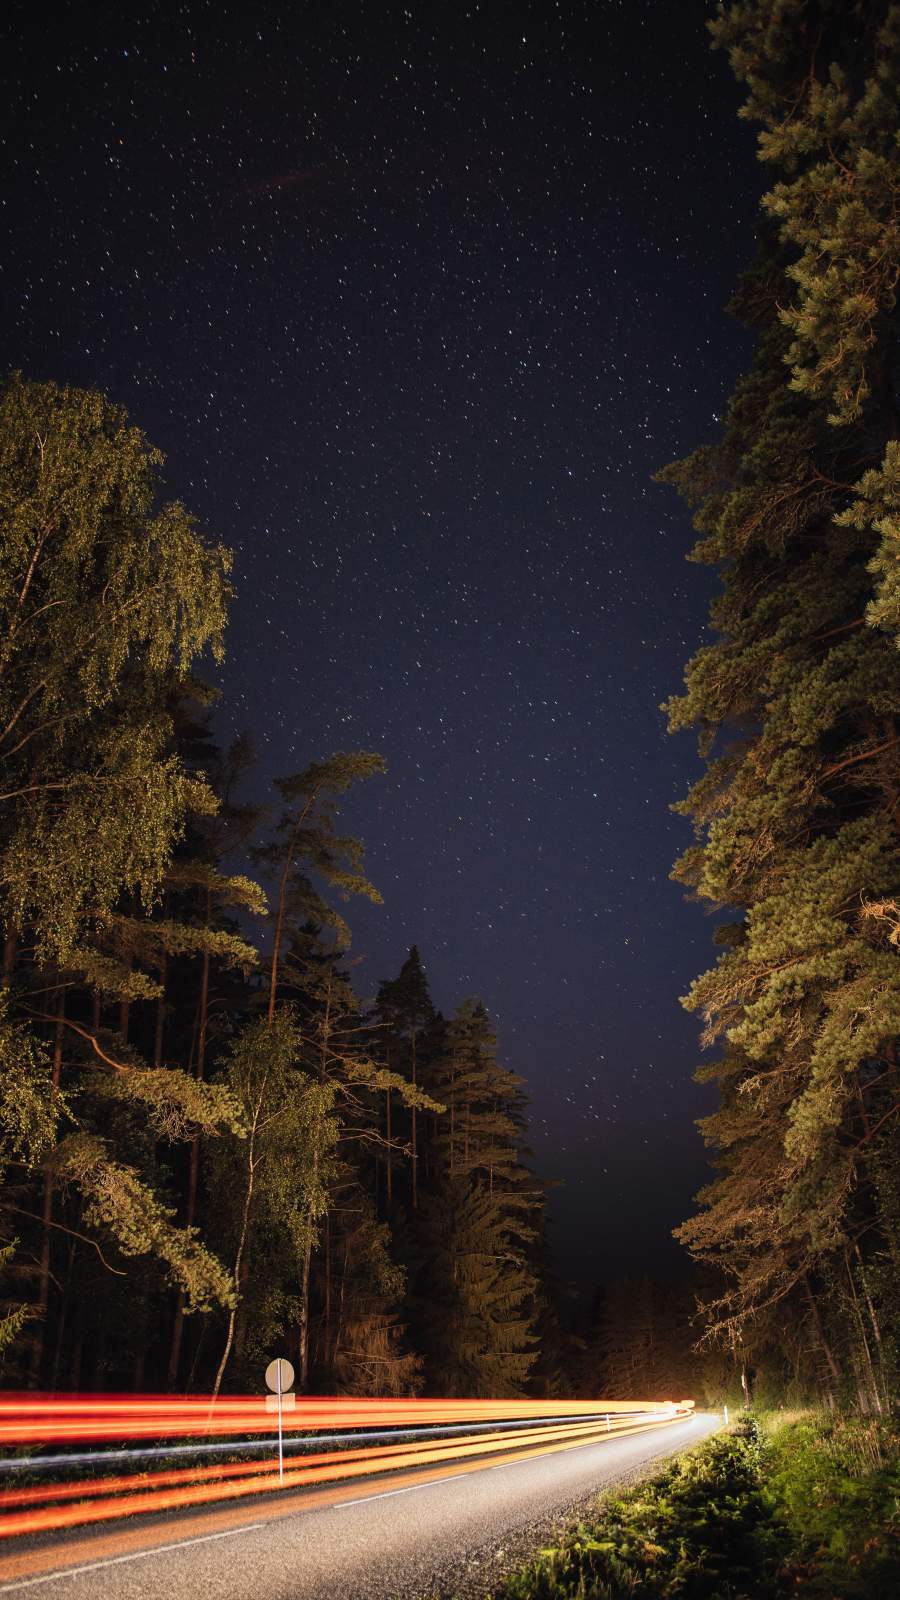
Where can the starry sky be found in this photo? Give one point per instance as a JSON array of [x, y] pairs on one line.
[[416, 299]]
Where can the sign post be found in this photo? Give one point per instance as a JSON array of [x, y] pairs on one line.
[[279, 1377]]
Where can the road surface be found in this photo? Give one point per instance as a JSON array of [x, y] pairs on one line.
[[412, 1534]]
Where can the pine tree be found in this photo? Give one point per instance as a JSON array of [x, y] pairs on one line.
[[404, 1010], [475, 1299], [363, 1337], [306, 848], [798, 698]]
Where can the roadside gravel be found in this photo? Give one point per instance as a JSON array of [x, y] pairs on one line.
[[480, 1570]]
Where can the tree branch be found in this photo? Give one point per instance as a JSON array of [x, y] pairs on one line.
[[71, 1231]]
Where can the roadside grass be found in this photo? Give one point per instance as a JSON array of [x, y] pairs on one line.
[[808, 1506], [834, 1482]]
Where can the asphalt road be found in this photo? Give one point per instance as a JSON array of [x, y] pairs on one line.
[[415, 1534]]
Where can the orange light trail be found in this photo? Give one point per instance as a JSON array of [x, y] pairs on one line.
[[33, 1509], [44, 1420]]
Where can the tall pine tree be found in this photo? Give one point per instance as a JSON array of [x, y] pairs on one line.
[[476, 1294], [798, 697]]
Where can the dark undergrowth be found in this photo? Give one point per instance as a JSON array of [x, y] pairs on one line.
[[807, 1507]]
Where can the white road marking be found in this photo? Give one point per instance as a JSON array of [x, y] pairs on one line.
[[183, 1544], [116, 1561], [385, 1494], [205, 1538]]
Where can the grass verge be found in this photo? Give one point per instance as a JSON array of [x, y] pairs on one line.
[[807, 1507]]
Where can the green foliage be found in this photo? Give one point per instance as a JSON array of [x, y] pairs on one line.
[[701, 1531], [292, 1114], [835, 1484], [404, 1003], [825, 88], [12, 1322], [103, 602], [337, 1043], [231, 889], [176, 1106], [367, 1354], [479, 1137], [481, 1287], [810, 1509], [272, 1191], [115, 1200], [130, 997], [30, 1104], [797, 699], [479, 1222], [306, 849], [877, 506]]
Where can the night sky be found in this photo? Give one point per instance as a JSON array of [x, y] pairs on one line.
[[415, 300]]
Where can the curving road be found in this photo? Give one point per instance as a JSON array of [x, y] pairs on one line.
[[429, 1533]]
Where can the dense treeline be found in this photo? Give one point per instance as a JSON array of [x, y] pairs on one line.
[[211, 1149], [797, 702]]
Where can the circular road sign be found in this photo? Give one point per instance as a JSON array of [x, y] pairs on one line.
[[279, 1375]]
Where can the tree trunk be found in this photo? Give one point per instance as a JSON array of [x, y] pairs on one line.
[[326, 1341], [240, 1324], [282, 903], [37, 1361], [245, 1224], [76, 1359], [198, 1351], [276, 940], [160, 1013], [194, 1169], [61, 1320], [303, 1321], [820, 1334], [340, 1318], [876, 1327], [10, 949], [412, 1138], [865, 1352], [466, 1138], [125, 1008], [389, 1165]]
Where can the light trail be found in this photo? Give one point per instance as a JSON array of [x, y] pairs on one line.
[[11, 1465], [43, 1420], [177, 1475], [331, 1455], [111, 1458]]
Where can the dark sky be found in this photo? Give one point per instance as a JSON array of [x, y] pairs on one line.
[[416, 300]]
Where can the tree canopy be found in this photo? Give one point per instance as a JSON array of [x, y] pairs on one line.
[[797, 697]]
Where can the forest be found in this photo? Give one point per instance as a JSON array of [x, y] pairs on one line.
[[214, 1147], [211, 1144]]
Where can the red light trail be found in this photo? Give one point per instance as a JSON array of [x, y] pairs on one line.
[[506, 1427]]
